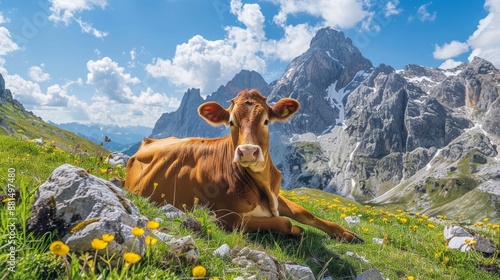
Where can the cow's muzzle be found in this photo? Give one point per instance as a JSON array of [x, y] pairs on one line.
[[248, 153]]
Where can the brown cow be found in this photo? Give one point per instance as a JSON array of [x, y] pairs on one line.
[[233, 175]]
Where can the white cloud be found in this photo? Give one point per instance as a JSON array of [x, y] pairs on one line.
[[66, 11], [207, 64], [391, 8], [485, 41], [424, 15], [340, 13], [110, 80], [449, 50], [87, 28], [37, 74], [6, 43], [450, 64], [295, 42]]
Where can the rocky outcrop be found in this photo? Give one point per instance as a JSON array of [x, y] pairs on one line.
[[82, 207]]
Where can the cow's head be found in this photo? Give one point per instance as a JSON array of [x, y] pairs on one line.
[[248, 117]]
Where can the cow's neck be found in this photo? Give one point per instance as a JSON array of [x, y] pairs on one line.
[[262, 179]]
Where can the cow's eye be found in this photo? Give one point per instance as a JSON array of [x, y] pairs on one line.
[[266, 122]]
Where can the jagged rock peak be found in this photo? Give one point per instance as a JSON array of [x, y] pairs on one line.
[[247, 79], [479, 66]]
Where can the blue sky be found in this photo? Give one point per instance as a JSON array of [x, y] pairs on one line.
[[127, 61]]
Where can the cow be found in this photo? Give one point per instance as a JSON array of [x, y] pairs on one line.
[[233, 176]]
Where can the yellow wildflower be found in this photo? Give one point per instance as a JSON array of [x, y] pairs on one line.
[[155, 185], [150, 240], [108, 237], [431, 226], [410, 278], [371, 220], [104, 170], [199, 271], [136, 231], [59, 248], [131, 257], [153, 225], [99, 244], [384, 220], [403, 220], [343, 216]]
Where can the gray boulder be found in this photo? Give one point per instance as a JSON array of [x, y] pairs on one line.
[[116, 158], [86, 207]]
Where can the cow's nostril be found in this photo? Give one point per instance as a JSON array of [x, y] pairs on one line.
[[256, 153], [240, 153]]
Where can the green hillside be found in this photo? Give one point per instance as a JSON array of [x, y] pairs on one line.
[[20, 124]]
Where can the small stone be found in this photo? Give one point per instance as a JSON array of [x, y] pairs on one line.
[[223, 251], [352, 220]]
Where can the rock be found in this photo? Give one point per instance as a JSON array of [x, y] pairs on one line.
[[185, 249], [116, 158], [163, 236], [295, 271], [455, 231], [370, 274], [484, 245], [223, 251], [256, 261], [171, 211], [357, 256], [83, 207], [378, 240], [458, 242], [38, 141], [352, 220]]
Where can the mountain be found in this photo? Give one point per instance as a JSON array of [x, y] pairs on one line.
[[19, 123], [319, 79], [122, 137], [419, 138]]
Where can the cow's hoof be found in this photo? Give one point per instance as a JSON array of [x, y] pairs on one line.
[[296, 232], [353, 238]]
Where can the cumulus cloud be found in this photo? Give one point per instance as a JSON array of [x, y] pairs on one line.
[[30, 94], [485, 41], [449, 50], [6, 43], [110, 79], [37, 74], [294, 42], [424, 15], [206, 64], [450, 64], [66, 12], [340, 14]]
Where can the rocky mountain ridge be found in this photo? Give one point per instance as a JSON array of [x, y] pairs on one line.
[[375, 133]]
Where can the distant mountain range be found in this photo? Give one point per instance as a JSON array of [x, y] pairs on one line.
[[122, 137], [425, 139]]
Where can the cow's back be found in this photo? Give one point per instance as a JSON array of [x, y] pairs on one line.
[[176, 171]]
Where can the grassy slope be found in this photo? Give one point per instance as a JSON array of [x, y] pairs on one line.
[[26, 125], [410, 248]]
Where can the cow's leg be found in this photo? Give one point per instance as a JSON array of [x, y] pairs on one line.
[[232, 221], [301, 215]]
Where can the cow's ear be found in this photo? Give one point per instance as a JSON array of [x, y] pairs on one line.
[[214, 113], [284, 108]]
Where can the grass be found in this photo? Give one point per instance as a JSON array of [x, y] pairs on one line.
[[412, 248]]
